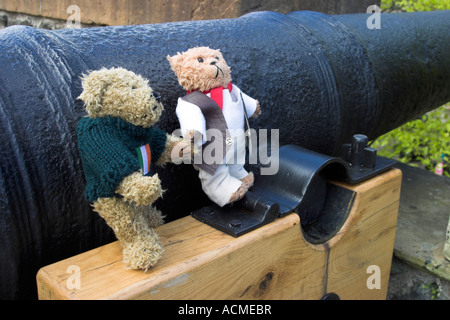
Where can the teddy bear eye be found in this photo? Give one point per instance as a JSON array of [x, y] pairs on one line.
[[200, 60], [217, 58], [133, 87]]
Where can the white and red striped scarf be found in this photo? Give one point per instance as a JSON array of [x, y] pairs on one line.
[[216, 94]]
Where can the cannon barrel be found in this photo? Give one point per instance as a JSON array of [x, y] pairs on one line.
[[319, 78]]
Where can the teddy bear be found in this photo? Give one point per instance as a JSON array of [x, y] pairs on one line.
[[213, 106], [119, 149]]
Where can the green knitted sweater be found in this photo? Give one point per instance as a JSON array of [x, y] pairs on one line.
[[108, 152]]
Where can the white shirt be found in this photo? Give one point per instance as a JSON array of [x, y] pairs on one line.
[[191, 117]]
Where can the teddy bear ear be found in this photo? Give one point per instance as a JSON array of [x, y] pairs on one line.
[[219, 52], [175, 62]]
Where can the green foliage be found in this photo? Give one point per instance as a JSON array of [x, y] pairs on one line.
[[424, 142], [415, 5], [433, 288]]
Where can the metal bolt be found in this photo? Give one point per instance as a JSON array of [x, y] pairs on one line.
[[235, 224]]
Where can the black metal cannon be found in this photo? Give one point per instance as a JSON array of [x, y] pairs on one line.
[[319, 78]]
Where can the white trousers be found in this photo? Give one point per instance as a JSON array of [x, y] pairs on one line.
[[226, 180]]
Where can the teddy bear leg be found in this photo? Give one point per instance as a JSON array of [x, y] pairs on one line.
[[222, 188], [246, 178], [140, 243], [239, 193], [153, 216]]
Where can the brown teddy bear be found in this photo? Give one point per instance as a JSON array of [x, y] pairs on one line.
[[215, 107], [119, 148]]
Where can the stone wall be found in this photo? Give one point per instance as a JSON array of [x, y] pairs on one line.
[[13, 18], [53, 14]]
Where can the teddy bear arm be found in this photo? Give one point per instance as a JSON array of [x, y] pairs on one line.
[[191, 120], [252, 106], [257, 111], [140, 189], [173, 150]]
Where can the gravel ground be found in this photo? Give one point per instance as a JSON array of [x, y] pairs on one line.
[[410, 283]]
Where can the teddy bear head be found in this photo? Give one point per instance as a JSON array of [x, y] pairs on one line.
[[118, 92], [201, 68]]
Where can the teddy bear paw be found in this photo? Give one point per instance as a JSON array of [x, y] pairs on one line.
[[249, 180], [150, 191], [239, 194], [140, 190], [143, 253]]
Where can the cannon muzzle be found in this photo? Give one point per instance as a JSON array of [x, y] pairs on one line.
[[320, 80]]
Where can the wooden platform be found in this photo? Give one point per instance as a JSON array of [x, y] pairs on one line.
[[273, 262]]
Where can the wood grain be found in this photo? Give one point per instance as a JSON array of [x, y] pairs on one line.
[[273, 262]]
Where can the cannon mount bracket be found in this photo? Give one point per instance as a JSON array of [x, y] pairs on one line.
[[299, 186]]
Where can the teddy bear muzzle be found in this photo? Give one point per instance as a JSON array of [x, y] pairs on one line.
[[218, 70]]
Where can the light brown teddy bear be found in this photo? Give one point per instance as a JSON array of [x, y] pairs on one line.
[[119, 148], [215, 109]]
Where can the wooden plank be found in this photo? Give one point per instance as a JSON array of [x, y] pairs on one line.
[[367, 239], [273, 262]]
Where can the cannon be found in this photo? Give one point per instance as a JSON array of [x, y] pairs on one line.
[[320, 79]]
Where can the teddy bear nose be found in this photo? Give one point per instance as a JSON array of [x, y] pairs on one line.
[[213, 63], [157, 96]]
